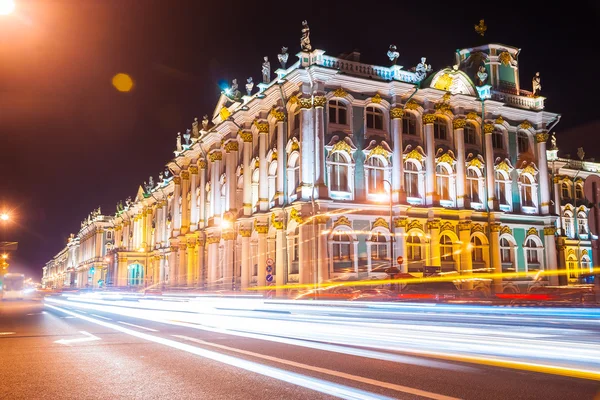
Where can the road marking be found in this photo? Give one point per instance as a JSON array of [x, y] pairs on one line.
[[89, 338], [100, 316], [37, 313], [398, 388], [318, 385], [8, 333], [68, 317], [137, 326]]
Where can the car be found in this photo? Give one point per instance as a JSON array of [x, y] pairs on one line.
[[336, 292], [374, 295]]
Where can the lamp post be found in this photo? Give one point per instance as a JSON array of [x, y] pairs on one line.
[[392, 239]]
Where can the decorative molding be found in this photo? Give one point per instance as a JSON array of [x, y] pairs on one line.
[[505, 230], [495, 227], [549, 230], [415, 155], [274, 155], [278, 115], [319, 101], [231, 145], [341, 145], [380, 222], [529, 169], [193, 169], [202, 164], [224, 113], [429, 118], [304, 102], [541, 137], [342, 220], [185, 175], [277, 224], [532, 231], [434, 224], [376, 99], [414, 224], [447, 226], [459, 123], [229, 235], [499, 120], [525, 125], [295, 216], [246, 136], [477, 228], [215, 156], [262, 229], [475, 162], [400, 222], [213, 239], [177, 180], [262, 127], [412, 105], [465, 225], [295, 145], [396, 113], [505, 58], [504, 166], [293, 100], [339, 92], [472, 115], [488, 128], [447, 157], [378, 151], [245, 232]]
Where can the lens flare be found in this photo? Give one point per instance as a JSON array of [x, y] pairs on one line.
[[6, 7], [122, 82]]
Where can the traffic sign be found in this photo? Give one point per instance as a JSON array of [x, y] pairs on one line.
[[269, 269], [269, 261], [269, 278], [591, 188], [399, 260]]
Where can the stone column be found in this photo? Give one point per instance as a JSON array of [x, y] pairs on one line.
[[541, 139], [246, 258], [203, 210], [201, 262], [262, 255], [466, 260], [322, 191], [305, 254], [557, 208], [430, 193], [216, 157], [213, 257], [435, 258], [185, 216], [161, 276], [281, 167], [172, 273], [121, 271], [307, 147], [551, 256], [563, 278], [176, 216], [191, 263], [231, 150], [156, 271], [461, 174], [489, 167], [247, 138], [323, 259], [496, 261], [194, 198], [280, 275], [228, 259], [263, 184], [398, 192], [400, 250]]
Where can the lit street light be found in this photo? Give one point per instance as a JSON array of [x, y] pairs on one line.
[[4, 216], [6, 7]]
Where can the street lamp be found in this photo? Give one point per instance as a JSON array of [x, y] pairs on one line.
[[382, 197], [6, 7], [4, 217]]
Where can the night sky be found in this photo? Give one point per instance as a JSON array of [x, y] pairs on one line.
[[70, 142]]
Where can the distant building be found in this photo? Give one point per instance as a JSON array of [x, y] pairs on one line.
[[300, 173]]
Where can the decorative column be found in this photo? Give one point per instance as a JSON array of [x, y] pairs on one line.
[[496, 256], [461, 173], [435, 258], [307, 147], [262, 255], [121, 271], [263, 183], [172, 271], [557, 203], [319, 102], [185, 216], [231, 154], [305, 254], [541, 139], [161, 275], [281, 167], [181, 265], [165, 230], [551, 256], [213, 257], [176, 197], [563, 278], [323, 260], [157, 267], [398, 192], [200, 261], [466, 260], [400, 241], [246, 258], [247, 138], [280, 276], [228, 259], [430, 193], [215, 158], [194, 198], [191, 262], [489, 167], [203, 210]]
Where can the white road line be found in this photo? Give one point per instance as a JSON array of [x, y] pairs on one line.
[[137, 326], [89, 338], [68, 317], [318, 385], [100, 316], [7, 333], [398, 388]]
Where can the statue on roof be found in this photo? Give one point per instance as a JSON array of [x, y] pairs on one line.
[[151, 182], [160, 176], [481, 76], [178, 146], [233, 93], [195, 130], [305, 39], [205, 123], [266, 70], [249, 86], [393, 54], [481, 27], [536, 84], [553, 142], [422, 69], [186, 136], [128, 201], [283, 56]]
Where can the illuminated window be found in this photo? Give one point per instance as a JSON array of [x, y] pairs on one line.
[[532, 253], [338, 179], [446, 249], [379, 248], [409, 124], [579, 191], [565, 193], [568, 224], [443, 182], [411, 179], [375, 171], [337, 112], [477, 249], [469, 133], [374, 118], [505, 251], [497, 139], [582, 223], [502, 187], [413, 248], [341, 254], [473, 180], [522, 142], [527, 192], [293, 173], [573, 267], [440, 129], [295, 252]]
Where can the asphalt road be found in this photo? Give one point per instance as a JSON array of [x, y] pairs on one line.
[[74, 350]]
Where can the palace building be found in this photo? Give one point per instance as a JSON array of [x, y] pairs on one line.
[[332, 168]]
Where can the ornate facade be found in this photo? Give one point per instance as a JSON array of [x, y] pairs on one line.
[[335, 167]]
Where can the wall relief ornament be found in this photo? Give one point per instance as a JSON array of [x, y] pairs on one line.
[[224, 113], [465, 225], [549, 230], [319, 101], [541, 137], [505, 58], [495, 227], [177, 180], [376, 99], [444, 82], [475, 162], [342, 220], [378, 151], [202, 164], [477, 228], [193, 169], [525, 125], [447, 226], [339, 92], [245, 232], [262, 127], [459, 123], [278, 115], [231, 145], [246, 136], [341, 145], [295, 145], [380, 222], [277, 224], [532, 231], [396, 113], [305, 102], [414, 224], [472, 115], [412, 105], [295, 216], [415, 154], [429, 118], [447, 157], [505, 166], [505, 230], [215, 156], [400, 222], [499, 120], [435, 224], [488, 128]]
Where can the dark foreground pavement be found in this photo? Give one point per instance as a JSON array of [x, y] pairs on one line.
[[64, 351]]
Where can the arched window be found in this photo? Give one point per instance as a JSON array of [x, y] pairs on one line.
[[411, 179], [585, 264], [440, 129], [572, 267], [502, 187], [473, 180], [296, 125], [380, 254], [338, 179], [443, 182], [413, 248], [477, 248], [582, 223], [255, 179], [409, 124], [374, 118], [293, 173], [568, 224], [337, 112], [272, 180], [527, 192], [579, 191], [295, 252], [341, 252], [532, 254], [469, 132], [446, 249], [565, 192], [375, 171], [506, 251], [497, 139], [522, 142]]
